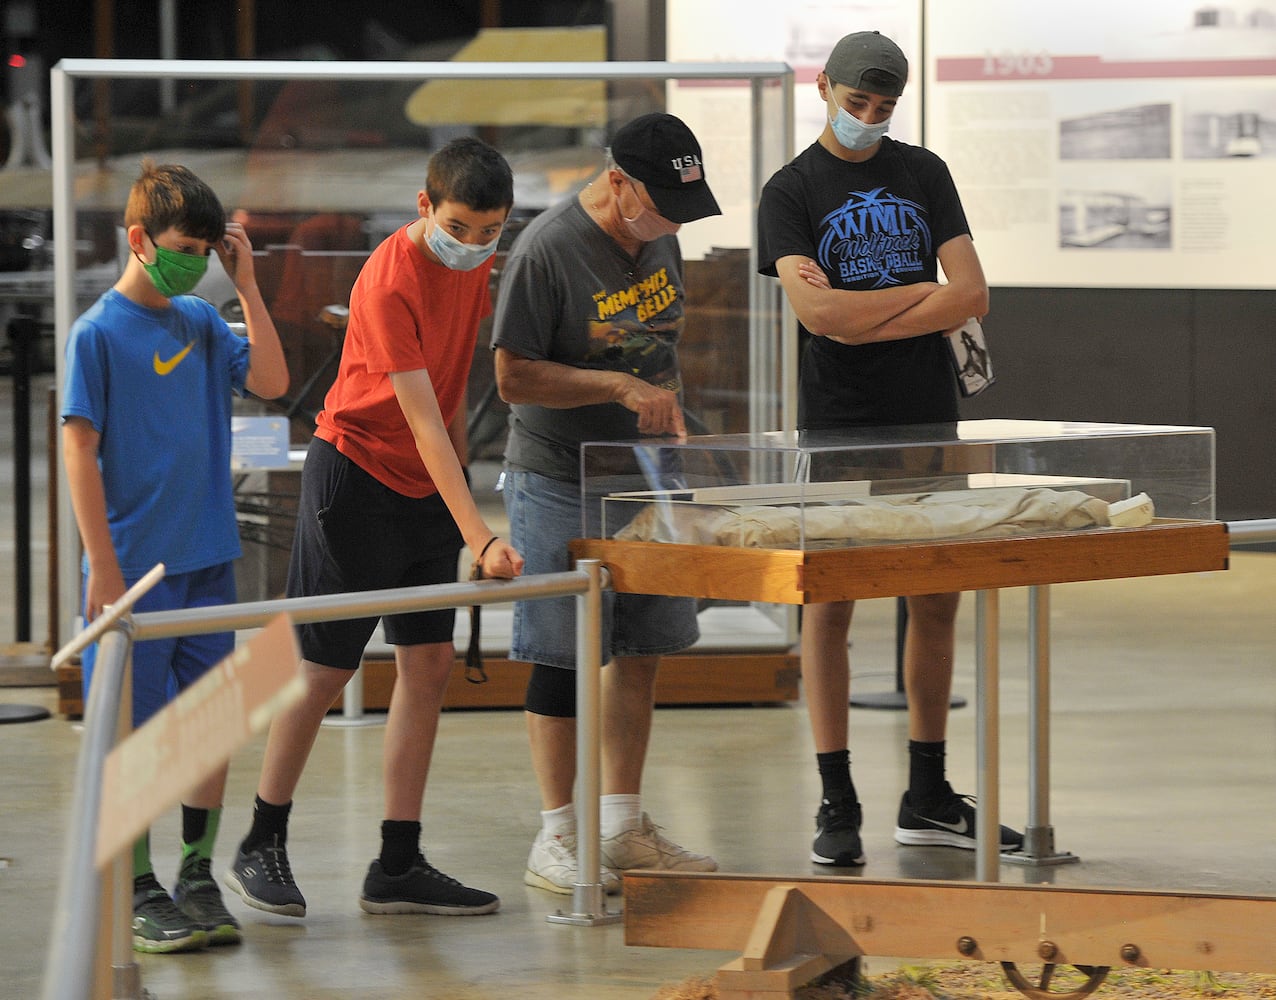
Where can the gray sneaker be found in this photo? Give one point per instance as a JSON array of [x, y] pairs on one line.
[[159, 927], [196, 894], [422, 889], [264, 879]]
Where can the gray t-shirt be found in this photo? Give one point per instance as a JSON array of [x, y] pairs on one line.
[[570, 294]]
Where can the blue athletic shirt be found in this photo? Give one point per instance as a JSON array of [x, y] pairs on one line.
[[156, 384]]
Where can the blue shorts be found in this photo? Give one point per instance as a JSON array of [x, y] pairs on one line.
[[544, 515], [354, 533], [163, 667]]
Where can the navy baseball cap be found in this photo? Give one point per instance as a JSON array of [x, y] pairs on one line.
[[659, 150]]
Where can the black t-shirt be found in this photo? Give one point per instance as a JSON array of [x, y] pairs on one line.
[[870, 225]]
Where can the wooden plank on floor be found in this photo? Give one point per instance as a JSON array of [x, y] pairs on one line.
[[1005, 923]]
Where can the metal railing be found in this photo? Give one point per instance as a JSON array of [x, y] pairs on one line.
[[77, 943], [1251, 532]]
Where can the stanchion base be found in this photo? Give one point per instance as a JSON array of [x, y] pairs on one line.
[[589, 907], [1038, 849], [22, 713], [1026, 860], [344, 722], [585, 919]]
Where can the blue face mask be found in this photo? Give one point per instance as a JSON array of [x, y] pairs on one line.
[[456, 255], [853, 133]]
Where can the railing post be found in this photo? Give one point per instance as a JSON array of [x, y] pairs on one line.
[[587, 894], [1038, 835], [80, 901], [987, 724]]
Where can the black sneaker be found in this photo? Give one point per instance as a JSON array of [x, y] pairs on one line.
[[422, 889], [837, 834], [159, 927], [263, 878], [950, 822], [196, 894]]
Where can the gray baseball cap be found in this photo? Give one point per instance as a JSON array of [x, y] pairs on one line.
[[865, 52]]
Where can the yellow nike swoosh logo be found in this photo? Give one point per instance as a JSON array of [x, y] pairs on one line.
[[164, 367]]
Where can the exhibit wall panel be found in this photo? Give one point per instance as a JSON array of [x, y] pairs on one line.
[[1176, 356], [1109, 143]]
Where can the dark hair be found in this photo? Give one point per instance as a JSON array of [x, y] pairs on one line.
[[168, 196], [472, 173]]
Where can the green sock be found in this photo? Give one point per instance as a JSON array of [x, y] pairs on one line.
[[199, 831], [142, 856]]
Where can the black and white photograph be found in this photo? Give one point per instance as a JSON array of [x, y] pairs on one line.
[[1116, 214], [1139, 132], [1230, 123]]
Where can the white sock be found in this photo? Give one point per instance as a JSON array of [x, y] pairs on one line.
[[556, 822], [618, 813]]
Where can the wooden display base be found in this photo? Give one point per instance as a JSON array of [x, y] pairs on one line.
[[813, 576], [790, 930], [685, 679]]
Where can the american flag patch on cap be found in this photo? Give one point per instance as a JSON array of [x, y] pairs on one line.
[[689, 173]]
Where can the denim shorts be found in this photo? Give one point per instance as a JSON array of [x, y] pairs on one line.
[[164, 667], [545, 514], [354, 533]]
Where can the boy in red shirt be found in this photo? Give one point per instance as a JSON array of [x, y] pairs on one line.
[[385, 504]]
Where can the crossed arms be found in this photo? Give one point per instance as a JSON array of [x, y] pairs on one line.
[[851, 317]]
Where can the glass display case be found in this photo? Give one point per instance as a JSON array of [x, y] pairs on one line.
[[321, 160], [901, 509]]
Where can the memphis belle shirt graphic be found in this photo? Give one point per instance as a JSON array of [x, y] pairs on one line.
[[635, 330]]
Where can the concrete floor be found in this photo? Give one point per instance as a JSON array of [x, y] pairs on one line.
[[1163, 774]]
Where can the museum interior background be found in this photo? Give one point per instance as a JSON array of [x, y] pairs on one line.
[[1175, 354]]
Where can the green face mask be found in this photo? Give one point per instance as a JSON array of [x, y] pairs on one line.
[[175, 273]]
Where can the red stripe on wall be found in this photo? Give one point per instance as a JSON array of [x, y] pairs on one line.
[[1018, 67]]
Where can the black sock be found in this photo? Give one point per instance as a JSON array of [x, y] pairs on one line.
[[270, 825], [400, 845], [194, 823], [926, 781], [835, 775]]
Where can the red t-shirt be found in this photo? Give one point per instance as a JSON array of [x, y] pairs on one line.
[[406, 313]]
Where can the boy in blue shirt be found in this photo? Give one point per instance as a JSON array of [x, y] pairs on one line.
[[146, 440]]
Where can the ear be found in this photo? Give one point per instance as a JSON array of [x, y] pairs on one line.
[[824, 85], [137, 239], [422, 204]]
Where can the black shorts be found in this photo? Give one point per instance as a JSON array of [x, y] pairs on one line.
[[354, 533]]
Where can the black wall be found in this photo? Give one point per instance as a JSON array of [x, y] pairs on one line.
[[1148, 356]]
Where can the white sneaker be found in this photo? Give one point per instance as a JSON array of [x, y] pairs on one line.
[[552, 865], [645, 847]]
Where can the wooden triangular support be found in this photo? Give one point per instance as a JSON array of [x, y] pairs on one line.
[[792, 942]]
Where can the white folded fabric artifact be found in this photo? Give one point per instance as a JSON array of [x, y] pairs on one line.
[[993, 512]]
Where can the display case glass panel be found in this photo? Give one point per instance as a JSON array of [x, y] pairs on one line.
[[883, 485]]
